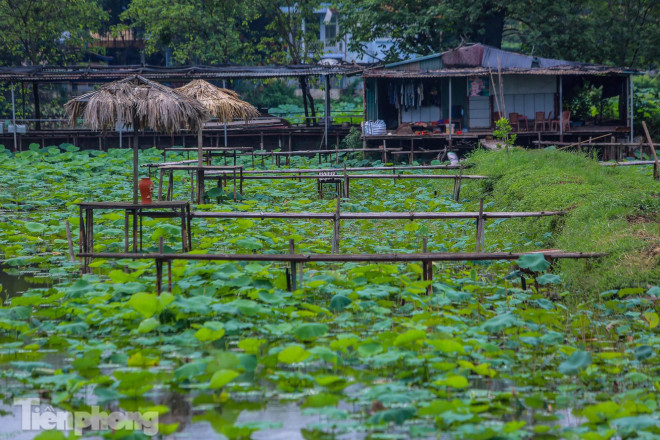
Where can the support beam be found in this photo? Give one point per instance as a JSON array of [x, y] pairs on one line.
[[450, 130], [13, 115], [224, 86], [327, 109], [121, 131], [340, 258], [561, 109], [632, 109]]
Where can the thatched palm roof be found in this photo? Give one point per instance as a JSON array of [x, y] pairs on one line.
[[224, 104], [136, 99]]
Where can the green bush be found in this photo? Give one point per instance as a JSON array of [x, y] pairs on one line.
[[612, 210]]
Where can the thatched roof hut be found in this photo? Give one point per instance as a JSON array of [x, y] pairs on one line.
[[224, 104], [139, 103], [136, 100]]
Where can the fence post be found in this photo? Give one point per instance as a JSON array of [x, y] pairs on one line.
[[159, 276], [480, 226], [427, 268], [335, 229], [656, 165], [292, 250], [69, 240], [457, 185]]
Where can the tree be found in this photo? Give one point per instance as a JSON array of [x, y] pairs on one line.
[[421, 27], [620, 32], [196, 31], [47, 32], [626, 32], [292, 38]]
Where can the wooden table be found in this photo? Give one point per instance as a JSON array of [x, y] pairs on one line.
[[170, 209], [236, 173]]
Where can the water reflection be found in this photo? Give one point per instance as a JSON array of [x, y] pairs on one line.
[[14, 282]]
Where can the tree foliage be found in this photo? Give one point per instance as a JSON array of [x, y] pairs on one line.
[[196, 31], [292, 32], [622, 32], [47, 31]]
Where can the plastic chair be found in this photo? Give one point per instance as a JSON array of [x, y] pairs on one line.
[[539, 119], [514, 121], [565, 121]]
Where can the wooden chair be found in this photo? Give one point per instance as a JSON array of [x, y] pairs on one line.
[[514, 121], [539, 119], [565, 121]]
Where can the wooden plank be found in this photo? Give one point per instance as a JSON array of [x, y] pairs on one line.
[[340, 258], [374, 215], [362, 176], [628, 163]]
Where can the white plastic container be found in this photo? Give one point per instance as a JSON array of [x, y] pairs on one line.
[[18, 128]]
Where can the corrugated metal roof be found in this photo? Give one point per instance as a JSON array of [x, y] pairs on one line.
[[482, 71], [506, 59], [414, 60], [112, 73], [481, 57]]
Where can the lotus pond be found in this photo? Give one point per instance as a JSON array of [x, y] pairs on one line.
[[359, 351]]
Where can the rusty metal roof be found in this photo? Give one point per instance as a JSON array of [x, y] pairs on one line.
[[97, 73], [481, 71], [480, 59]]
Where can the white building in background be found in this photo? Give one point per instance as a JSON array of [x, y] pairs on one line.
[[337, 50]]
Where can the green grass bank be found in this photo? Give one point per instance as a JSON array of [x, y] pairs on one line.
[[611, 209]]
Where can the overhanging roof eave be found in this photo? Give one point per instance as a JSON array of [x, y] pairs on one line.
[[184, 73]]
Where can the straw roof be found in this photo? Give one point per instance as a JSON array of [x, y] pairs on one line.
[[224, 104], [138, 99]]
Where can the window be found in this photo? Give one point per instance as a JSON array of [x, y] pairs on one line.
[[331, 29]]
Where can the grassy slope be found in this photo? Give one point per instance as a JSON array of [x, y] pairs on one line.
[[613, 210]]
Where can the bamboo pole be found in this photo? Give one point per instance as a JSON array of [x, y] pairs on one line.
[[69, 240], [656, 168], [292, 251], [375, 215], [340, 258]]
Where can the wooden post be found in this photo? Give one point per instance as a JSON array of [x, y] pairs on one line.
[[457, 185], [427, 268], [450, 120], [159, 276], [160, 184], [632, 111], [82, 237], [335, 229], [480, 227], [561, 109], [200, 151], [346, 183], [126, 234], [656, 167], [292, 250], [135, 230], [69, 240], [136, 146]]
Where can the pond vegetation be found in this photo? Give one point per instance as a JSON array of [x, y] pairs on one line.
[[359, 350]]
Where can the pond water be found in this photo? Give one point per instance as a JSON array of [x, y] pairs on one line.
[[286, 418], [15, 282]]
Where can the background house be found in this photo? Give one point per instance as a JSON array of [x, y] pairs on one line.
[[464, 83]]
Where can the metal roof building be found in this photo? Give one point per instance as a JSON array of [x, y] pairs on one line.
[[474, 84]]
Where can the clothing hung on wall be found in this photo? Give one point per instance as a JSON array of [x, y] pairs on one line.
[[406, 94]]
